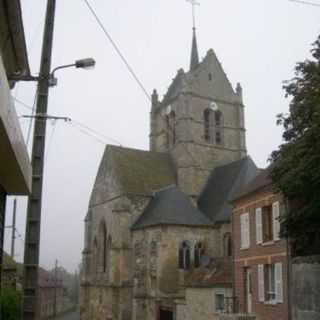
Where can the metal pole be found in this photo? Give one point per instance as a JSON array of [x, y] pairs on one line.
[[55, 289], [13, 234], [32, 238], [3, 197]]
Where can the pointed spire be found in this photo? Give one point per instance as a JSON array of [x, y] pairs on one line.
[[194, 52]]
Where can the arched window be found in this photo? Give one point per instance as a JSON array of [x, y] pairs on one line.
[[218, 127], [198, 252], [208, 125], [102, 247], [171, 128], [184, 256], [227, 245]]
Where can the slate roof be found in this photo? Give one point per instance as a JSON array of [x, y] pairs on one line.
[[142, 171], [224, 182], [171, 206], [175, 87], [261, 181]]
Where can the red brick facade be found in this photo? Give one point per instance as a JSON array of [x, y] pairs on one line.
[[270, 255]]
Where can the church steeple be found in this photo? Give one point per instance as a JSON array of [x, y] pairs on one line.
[[194, 51]]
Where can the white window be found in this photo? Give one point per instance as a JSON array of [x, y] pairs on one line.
[[244, 231], [276, 222], [259, 225], [270, 283]]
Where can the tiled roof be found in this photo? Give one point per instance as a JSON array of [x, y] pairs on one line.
[[217, 274], [171, 206]]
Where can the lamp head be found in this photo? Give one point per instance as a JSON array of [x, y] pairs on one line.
[[85, 63]]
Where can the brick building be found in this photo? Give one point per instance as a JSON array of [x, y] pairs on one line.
[[260, 255]]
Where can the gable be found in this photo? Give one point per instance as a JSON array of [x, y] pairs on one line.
[[131, 171], [210, 80]]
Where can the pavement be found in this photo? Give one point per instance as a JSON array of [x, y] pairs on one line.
[[69, 316]]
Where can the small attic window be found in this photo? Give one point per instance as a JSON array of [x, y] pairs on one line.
[[210, 76]]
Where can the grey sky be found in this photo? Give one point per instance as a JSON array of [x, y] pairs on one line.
[[258, 43]]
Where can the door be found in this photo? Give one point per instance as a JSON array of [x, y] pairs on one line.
[[165, 314], [248, 290]]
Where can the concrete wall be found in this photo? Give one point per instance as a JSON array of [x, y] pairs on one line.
[[305, 288], [15, 169]]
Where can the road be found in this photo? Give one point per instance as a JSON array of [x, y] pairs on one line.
[[69, 316]]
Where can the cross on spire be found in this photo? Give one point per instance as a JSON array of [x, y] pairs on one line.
[[193, 3], [194, 62]]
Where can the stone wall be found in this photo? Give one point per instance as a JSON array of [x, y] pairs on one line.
[[158, 281], [201, 302], [305, 288]]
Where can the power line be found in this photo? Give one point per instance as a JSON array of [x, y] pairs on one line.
[[306, 2], [117, 49], [130, 69]]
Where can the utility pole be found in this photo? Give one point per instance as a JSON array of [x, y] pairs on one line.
[[55, 288], [13, 234], [32, 237]]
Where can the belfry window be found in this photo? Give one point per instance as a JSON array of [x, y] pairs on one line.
[[184, 256], [102, 247], [218, 127], [171, 129], [208, 125], [198, 252]]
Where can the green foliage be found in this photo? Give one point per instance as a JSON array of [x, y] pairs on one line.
[[296, 164], [10, 304]]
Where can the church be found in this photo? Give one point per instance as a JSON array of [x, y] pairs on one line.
[[158, 236]]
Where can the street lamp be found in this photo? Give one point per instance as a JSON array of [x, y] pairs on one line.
[[87, 63]]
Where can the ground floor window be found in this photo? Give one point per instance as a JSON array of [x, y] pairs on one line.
[[270, 283], [219, 302]]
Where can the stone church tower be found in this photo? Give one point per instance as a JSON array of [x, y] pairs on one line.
[[200, 121], [155, 216]]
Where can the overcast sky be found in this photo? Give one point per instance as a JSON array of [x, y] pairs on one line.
[[258, 43]]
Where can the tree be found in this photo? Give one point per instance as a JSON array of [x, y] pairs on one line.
[[10, 304], [295, 169]]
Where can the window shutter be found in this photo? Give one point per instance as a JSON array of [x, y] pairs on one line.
[[259, 225], [276, 222], [247, 230], [244, 232], [260, 283], [242, 241], [278, 284]]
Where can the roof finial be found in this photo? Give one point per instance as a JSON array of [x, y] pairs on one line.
[[194, 51], [194, 3]]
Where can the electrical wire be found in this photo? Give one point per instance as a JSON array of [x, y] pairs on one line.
[[130, 69], [115, 46], [306, 2]]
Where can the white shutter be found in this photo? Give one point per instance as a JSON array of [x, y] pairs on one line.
[[242, 241], [260, 283], [247, 230], [278, 284], [276, 222], [259, 225]]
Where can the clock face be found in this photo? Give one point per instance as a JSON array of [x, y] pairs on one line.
[[213, 106], [169, 109]]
